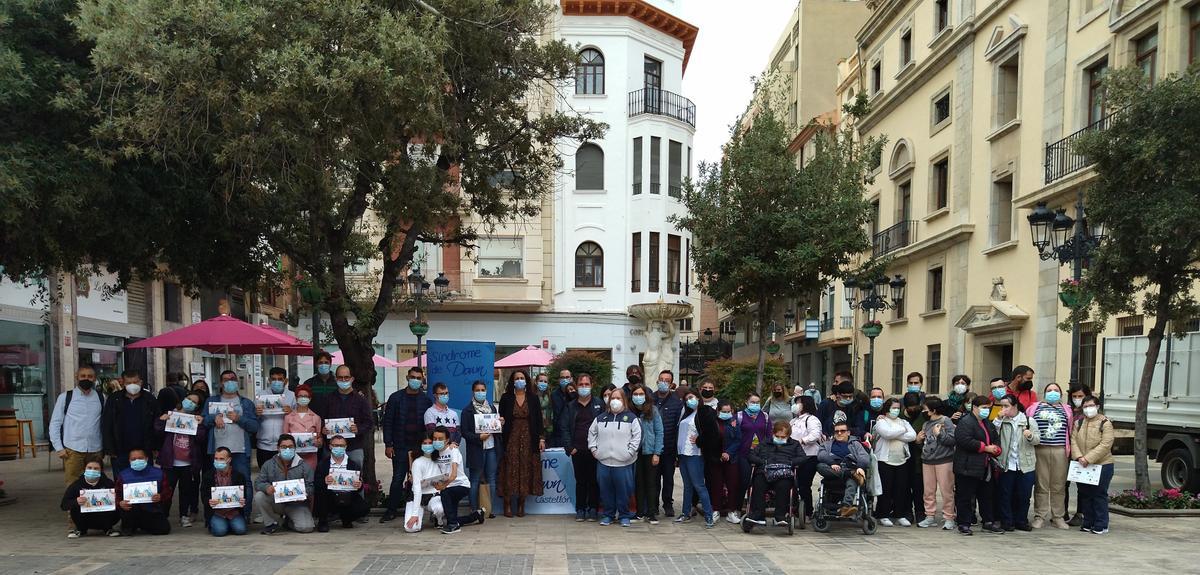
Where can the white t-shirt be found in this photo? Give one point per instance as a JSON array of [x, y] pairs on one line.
[[687, 431], [446, 458]]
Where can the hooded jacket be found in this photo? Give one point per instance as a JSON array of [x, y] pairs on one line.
[[615, 438], [1012, 436]]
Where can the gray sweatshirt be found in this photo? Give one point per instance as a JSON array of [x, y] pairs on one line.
[[614, 438], [939, 449]]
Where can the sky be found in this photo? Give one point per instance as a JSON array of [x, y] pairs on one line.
[[734, 44]]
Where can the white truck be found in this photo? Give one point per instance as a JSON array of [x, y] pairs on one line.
[[1173, 414]]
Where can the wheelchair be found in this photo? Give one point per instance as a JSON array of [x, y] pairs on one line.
[[829, 501], [794, 520]]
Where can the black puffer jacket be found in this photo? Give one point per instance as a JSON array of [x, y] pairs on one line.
[[790, 454], [970, 459]]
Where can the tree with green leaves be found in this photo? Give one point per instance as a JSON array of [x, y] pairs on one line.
[[764, 229], [1145, 195], [335, 132]]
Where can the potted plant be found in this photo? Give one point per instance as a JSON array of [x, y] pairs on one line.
[[418, 327], [872, 328], [1071, 294]]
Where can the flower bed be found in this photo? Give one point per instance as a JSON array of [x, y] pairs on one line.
[[1161, 503]]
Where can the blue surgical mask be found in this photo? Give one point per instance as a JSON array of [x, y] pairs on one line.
[[876, 402], [845, 402], [894, 412], [189, 405], [663, 387], [999, 393], [287, 453], [984, 412], [543, 385], [439, 444], [564, 382], [338, 452], [138, 464], [692, 403], [220, 465], [324, 369], [276, 386], [725, 416], [229, 386], [585, 392], [443, 398], [344, 385], [1053, 396], [303, 400], [639, 400], [414, 383], [914, 389], [753, 408], [426, 448], [91, 474], [519, 384], [480, 396], [779, 440]]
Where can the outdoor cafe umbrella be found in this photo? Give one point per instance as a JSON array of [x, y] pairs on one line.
[[412, 361], [530, 356], [225, 334]]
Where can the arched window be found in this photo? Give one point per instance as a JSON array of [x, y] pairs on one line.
[[589, 265], [589, 168], [901, 157], [589, 72]]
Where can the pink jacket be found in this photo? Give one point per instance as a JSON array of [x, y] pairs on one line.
[[1070, 420]]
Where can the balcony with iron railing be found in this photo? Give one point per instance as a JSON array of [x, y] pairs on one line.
[[660, 102], [1062, 161], [827, 324], [847, 322], [894, 238]]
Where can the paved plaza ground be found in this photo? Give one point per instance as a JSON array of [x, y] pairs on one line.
[[32, 540]]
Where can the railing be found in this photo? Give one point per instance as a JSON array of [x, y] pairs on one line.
[[662, 103], [653, 286], [827, 324], [675, 191], [1062, 161], [637, 188], [655, 188], [894, 238], [673, 287], [847, 322]]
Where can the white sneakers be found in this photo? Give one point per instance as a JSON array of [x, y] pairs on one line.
[[886, 522], [927, 522], [716, 515], [904, 522], [733, 517], [185, 521], [950, 525]]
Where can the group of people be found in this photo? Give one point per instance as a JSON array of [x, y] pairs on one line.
[[985, 455]]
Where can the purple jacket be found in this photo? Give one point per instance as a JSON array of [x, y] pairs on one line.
[[758, 426], [166, 455]]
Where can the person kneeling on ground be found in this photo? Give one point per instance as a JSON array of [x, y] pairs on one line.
[[775, 466], [424, 471], [843, 457], [222, 522], [284, 466], [149, 517], [455, 486], [91, 478], [348, 504]]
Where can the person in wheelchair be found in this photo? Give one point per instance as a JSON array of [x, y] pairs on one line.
[[775, 466], [843, 458]]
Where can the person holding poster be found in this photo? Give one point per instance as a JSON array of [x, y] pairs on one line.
[[270, 424], [235, 429], [1091, 445], [149, 517], [222, 522], [483, 448], [304, 420], [521, 466], [403, 429], [348, 505], [284, 466], [182, 456], [345, 403], [74, 501]]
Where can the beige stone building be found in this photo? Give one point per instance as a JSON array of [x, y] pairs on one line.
[[978, 100]]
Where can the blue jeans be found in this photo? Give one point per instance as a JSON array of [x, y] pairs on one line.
[[241, 464], [397, 494], [220, 526], [491, 462], [1012, 500], [691, 467], [616, 485], [1093, 500]]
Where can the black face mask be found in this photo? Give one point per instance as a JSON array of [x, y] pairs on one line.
[[778, 394], [1025, 385], [707, 393], [634, 379], [572, 395], [86, 384]]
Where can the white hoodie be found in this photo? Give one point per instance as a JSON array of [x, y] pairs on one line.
[[892, 437]]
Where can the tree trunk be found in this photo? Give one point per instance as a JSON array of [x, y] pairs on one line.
[[1141, 466], [764, 316]]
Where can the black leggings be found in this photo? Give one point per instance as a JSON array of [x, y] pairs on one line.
[[804, 481], [186, 482]]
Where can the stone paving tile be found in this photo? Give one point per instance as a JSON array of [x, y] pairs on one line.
[[27, 564], [187, 564], [430, 564], [669, 563]]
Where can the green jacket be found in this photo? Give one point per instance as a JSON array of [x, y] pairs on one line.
[[1012, 436]]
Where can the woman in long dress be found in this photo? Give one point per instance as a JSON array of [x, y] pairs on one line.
[[524, 440]]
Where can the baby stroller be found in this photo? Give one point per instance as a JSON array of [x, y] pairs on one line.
[[794, 520], [829, 498]]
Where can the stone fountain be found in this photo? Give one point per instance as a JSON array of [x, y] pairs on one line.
[[661, 328]]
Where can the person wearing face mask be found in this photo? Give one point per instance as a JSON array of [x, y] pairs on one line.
[[721, 477], [345, 403], [75, 424], [222, 522], [322, 382], [173, 392], [1077, 392], [346, 505], [775, 462], [578, 416], [483, 449], [284, 466], [1091, 444], [542, 386], [914, 383], [843, 400], [874, 411], [938, 448], [691, 462], [200, 386], [670, 407], [779, 405], [424, 470], [558, 402], [128, 421], [440, 414], [149, 517], [182, 456], [525, 437], [615, 439], [92, 477], [1018, 437], [806, 430], [233, 430], [1055, 421], [271, 425], [914, 414], [710, 436], [976, 446], [304, 420], [403, 430], [645, 477], [633, 380], [755, 429], [1021, 385], [892, 438], [958, 401]]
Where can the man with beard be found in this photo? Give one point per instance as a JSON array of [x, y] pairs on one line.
[[1021, 385]]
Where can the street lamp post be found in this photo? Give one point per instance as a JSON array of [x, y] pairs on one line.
[[1069, 240], [872, 301], [420, 299]]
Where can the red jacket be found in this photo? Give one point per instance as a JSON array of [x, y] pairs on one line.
[[1027, 398]]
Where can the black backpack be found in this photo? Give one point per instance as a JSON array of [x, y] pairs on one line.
[[67, 406]]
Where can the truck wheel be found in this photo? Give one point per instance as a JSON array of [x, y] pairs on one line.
[[1179, 471]]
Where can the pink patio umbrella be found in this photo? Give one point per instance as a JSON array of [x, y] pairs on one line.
[[412, 361], [530, 356], [377, 360], [229, 335]]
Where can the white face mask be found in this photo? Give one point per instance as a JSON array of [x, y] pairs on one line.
[[1076, 401], [795, 409], [960, 389], [1090, 411], [133, 389], [615, 404]]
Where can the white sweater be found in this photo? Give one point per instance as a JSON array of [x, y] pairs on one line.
[[892, 437]]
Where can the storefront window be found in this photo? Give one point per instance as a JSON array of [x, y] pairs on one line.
[[24, 358]]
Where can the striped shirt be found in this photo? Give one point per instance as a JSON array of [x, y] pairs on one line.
[[1052, 424]]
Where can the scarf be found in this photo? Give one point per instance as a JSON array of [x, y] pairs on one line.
[[955, 401], [484, 407]]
